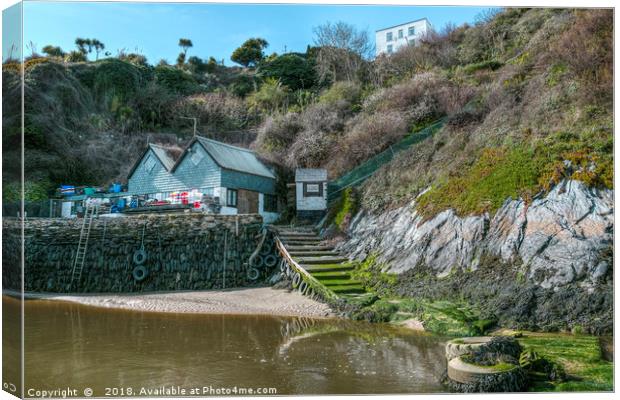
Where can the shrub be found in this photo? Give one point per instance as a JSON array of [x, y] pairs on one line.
[[278, 132], [175, 80], [310, 150], [342, 93], [587, 46], [294, 71], [366, 136], [216, 111], [270, 98], [115, 78]]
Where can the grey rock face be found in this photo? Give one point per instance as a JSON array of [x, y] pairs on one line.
[[558, 238]]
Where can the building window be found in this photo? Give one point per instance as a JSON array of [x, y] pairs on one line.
[[411, 31], [209, 191], [231, 198], [388, 36], [271, 203], [149, 164], [400, 33], [313, 189], [390, 49], [411, 42]]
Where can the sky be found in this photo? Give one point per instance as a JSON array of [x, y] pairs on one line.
[[153, 29]]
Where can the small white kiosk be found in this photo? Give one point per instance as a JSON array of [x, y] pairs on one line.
[[311, 193]]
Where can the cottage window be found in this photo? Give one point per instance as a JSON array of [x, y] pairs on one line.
[[271, 203], [400, 33], [390, 49], [313, 189], [209, 191], [411, 31], [388, 36], [149, 164], [231, 198]]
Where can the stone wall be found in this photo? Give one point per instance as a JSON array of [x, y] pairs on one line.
[[184, 252]]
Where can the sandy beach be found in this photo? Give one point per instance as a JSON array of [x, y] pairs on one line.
[[254, 301]]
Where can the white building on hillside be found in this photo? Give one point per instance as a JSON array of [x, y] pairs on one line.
[[389, 40]]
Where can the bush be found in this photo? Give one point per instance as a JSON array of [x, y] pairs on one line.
[[344, 94], [294, 71], [175, 80], [216, 111], [115, 78], [270, 98], [367, 135]]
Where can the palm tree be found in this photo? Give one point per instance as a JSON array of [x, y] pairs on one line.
[[185, 44], [99, 46]]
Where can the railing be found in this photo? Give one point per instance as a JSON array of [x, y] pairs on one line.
[[317, 287]]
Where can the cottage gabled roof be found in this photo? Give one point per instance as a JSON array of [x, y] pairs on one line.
[[162, 153], [231, 157]]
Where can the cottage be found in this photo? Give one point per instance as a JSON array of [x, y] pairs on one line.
[[389, 40], [233, 175], [311, 193]]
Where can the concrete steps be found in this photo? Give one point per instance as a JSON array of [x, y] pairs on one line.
[[308, 248], [327, 268], [321, 261], [313, 253]]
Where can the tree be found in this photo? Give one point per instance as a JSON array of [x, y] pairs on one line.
[[99, 46], [250, 53], [293, 70], [343, 51], [82, 44], [184, 44], [53, 51]]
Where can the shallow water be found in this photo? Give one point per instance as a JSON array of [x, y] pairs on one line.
[[118, 352]]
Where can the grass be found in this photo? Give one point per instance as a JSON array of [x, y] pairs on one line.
[[499, 173], [347, 208], [580, 356], [525, 169]]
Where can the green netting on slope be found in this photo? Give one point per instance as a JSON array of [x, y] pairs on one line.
[[359, 174]]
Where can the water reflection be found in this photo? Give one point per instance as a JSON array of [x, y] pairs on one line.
[[79, 346]]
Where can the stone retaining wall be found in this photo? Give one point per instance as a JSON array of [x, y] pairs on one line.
[[184, 252]]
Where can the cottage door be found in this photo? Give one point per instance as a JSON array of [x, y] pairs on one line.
[[247, 202]]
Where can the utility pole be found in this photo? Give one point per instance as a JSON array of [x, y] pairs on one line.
[[195, 122]]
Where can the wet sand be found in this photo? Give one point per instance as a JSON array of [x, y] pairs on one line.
[[249, 301]]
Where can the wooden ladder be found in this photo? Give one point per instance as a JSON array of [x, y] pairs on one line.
[[90, 213]]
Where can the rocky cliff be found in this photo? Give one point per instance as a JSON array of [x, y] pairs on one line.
[[557, 248]]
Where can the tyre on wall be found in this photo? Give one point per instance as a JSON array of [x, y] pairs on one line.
[[257, 262], [265, 250], [253, 274], [140, 273], [303, 286], [296, 280], [283, 266], [139, 257], [270, 261]]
